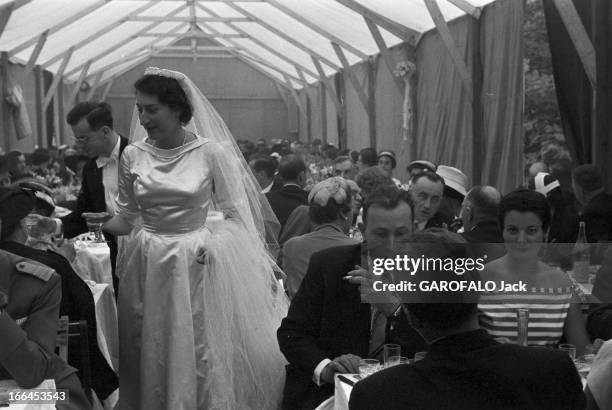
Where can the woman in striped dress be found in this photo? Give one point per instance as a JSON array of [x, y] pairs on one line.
[[554, 309]]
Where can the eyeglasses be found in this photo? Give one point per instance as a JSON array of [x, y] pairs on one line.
[[82, 138]]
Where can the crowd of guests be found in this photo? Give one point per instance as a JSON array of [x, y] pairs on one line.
[[338, 208]]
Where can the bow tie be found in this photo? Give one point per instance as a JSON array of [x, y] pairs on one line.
[[103, 161]]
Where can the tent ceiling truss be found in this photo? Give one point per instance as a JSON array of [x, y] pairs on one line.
[[229, 25]]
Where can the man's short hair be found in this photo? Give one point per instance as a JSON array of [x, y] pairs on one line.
[[371, 178], [290, 167], [587, 177], [15, 204], [484, 200], [387, 197], [441, 311], [97, 114], [369, 157], [342, 158], [266, 164], [432, 176]]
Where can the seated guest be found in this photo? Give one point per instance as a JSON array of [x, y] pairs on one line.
[[29, 309], [524, 216], [599, 319], [426, 191], [76, 302], [5, 177], [563, 229], [40, 162], [480, 224], [283, 201], [588, 187], [418, 166], [455, 189], [264, 169], [330, 211], [387, 162], [328, 328], [344, 167], [465, 368], [367, 158], [17, 164]]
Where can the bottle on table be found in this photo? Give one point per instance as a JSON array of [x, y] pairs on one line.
[[581, 255], [522, 331]]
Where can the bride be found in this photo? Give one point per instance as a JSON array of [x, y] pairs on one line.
[[199, 304]]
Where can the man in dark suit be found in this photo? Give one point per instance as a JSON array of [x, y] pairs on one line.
[[29, 307], [480, 223], [76, 299], [328, 328], [426, 190], [465, 368], [283, 201], [597, 207], [92, 125]]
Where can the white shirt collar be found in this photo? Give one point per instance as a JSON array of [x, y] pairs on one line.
[[267, 189], [114, 156]]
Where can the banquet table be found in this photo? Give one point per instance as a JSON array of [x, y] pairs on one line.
[[11, 385]]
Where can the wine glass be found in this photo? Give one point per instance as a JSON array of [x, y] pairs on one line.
[[94, 224]]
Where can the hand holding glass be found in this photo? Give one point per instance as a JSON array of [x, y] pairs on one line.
[[94, 221]]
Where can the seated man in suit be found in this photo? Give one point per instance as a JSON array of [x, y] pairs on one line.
[[76, 298], [29, 308], [465, 368], [480, 224], [283, 201], [328, 328], [426, 190]]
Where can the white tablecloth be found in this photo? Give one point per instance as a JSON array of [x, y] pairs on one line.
[[92, 262], [342, 394], [8, 385]]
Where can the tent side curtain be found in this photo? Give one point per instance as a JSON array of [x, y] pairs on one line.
[[443, 109]]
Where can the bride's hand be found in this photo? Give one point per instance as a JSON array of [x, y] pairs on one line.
[[201, 256]]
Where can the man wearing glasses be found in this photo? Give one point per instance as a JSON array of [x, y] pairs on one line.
[[92, 125]]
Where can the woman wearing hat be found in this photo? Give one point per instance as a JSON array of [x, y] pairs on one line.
[[387, 162]]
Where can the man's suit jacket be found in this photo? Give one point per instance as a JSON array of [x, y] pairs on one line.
[[29, 329], [485, 239], [91, 199], [285, 200], [78, 304], [472, 371], [326, 319]]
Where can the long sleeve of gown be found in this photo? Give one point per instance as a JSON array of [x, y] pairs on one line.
[[126, 204]]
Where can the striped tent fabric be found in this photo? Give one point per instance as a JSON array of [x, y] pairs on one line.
[[548, 308]]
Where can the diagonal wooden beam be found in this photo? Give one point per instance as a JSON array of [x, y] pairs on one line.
[[132, 37], [405, 33], [15, 4], [285, 37], [87, 40], [384, 50], [580, 38], [34, 56], [451, 47], [257, 68], [251, 55], [317, 29], [5, 15], [95, 84], [329, 87], [282, 94], [57, 78], [263, 44], [107, 89], [297, 100], [77, 85], [467, 7], [68, 20], [363, 97]]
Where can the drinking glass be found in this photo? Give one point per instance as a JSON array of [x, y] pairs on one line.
[[419, 356], [391, 351], [96, 229], [368, 367], [569, 349]]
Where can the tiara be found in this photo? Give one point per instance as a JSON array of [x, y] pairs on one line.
[[165, 73]]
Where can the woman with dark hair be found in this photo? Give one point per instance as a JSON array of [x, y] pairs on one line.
[[554, 309], [199, 304]]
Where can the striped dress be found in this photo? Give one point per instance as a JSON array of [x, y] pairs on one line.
[[548, 308]]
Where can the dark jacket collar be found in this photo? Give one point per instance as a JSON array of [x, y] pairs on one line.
[[461, 343]]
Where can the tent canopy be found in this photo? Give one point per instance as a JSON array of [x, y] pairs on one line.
[[293, 42]]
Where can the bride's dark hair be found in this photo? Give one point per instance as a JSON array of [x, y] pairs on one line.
[[168, 91]]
